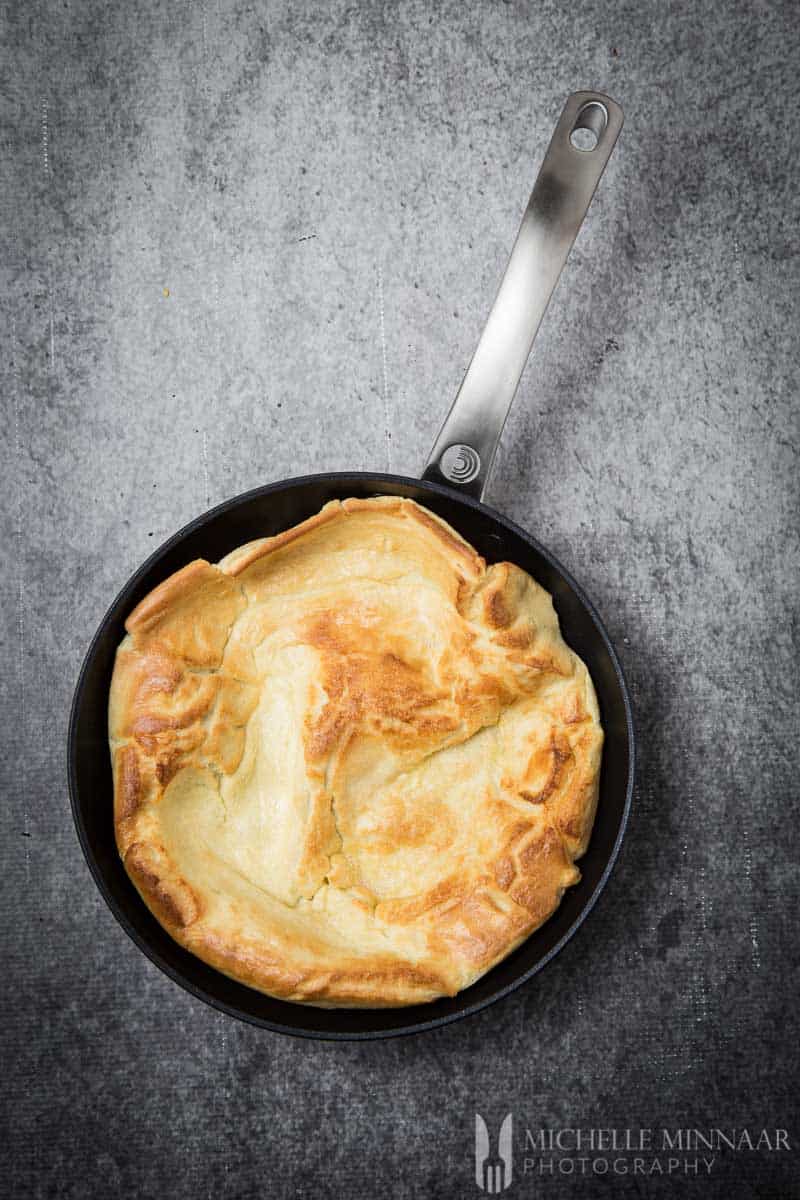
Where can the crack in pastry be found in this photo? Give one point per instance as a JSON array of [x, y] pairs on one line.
[[353, 765]]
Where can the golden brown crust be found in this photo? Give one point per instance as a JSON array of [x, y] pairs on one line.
[[170, 898], [239, 560], [353, 765]]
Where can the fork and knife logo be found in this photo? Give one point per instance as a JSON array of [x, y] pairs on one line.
[[493, 1173]]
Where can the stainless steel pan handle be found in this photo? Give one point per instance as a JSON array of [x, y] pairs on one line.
[[581, 146]]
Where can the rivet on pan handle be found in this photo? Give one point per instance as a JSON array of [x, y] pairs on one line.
[[575, 160]]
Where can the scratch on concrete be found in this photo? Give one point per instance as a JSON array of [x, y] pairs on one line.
[[386, 422], [205, 468], [582, 465], [51, 319], [700, 978], [216, 342], [698, 986], [18, 534], [45, 137], [45, 143], [753, 922]]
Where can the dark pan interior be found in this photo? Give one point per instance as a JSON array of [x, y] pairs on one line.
[[267, 511]]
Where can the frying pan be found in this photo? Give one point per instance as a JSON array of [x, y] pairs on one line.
[[452, 486]]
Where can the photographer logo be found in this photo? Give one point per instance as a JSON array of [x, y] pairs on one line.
[[493, 1172], [592, 1151]]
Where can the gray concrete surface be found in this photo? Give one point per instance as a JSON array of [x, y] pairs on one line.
[[243, 241]]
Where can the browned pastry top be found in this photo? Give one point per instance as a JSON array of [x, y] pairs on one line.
[[353, 765]]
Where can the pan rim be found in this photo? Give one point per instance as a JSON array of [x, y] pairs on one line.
[[112, 612]]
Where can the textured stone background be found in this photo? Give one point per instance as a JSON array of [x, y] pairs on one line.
[[248, 240]]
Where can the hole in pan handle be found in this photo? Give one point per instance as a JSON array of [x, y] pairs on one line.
[[581, 146]]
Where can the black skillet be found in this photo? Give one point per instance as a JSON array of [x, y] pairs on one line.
[[452, 485]]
